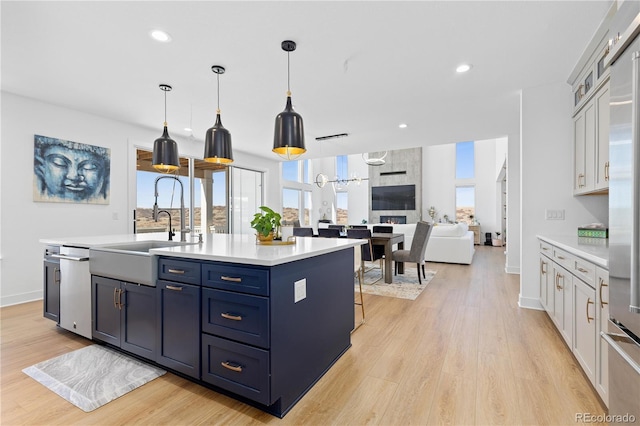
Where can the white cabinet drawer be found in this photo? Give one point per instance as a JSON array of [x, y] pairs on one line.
[[563, 258], [546, 249], [584, 270]]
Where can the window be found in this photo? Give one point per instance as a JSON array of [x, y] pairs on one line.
[[465, 160], [465, 203], [212, 192], [342, 210], [290, 205], [342, 196], [296, 171]]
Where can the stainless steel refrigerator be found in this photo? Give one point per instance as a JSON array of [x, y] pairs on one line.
[[623, 335]]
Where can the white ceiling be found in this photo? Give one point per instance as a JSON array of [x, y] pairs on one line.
[[360, 67]]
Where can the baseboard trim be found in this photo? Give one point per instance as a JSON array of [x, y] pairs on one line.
[[530, 303], [18, 299], [512, 270]]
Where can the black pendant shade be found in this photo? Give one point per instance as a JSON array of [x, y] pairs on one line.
[[217, 144], [288, 136], [165, 153], [165, 157]]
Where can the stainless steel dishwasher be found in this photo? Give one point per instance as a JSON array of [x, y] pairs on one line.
[[75, 290]]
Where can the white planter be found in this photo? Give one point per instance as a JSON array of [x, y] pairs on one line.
[[496, 242]]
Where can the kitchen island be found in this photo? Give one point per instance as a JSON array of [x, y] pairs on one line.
[[259, 323]]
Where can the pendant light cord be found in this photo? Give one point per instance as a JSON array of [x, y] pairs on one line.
[[218, 110], [165, 108], [288, 76]]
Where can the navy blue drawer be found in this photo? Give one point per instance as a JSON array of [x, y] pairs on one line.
[[234, 278], [238, 368], [181, 271], [237, 316]]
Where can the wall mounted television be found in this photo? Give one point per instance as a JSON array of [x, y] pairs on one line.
[[398, 197]]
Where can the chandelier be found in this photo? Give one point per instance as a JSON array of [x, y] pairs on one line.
[[338, 183]]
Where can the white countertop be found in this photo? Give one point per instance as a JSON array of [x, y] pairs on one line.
[[221, 247], [595, 250]]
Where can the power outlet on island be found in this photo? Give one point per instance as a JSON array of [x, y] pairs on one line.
[[299, 290]]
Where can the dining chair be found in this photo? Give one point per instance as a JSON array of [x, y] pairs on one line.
[[328, 232], [303, 232], [358, 226], [367, 249], [417, 250], [340, 228], [358, 269], [384, 229]]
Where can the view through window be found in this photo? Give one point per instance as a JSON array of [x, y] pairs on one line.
[[296, 197], [465, 173]]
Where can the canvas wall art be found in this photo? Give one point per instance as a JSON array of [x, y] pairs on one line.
[[70, 172]]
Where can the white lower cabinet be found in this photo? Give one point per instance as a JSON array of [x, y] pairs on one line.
[[602, 316], [575, 295], [584, 327]]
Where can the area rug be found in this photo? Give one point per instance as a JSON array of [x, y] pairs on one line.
[[92, 376], [404, 286]]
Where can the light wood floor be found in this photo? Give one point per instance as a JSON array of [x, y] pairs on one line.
[[462, 353]]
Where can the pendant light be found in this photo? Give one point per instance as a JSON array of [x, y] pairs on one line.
[[288, 138], [165, 150], [217, 144]]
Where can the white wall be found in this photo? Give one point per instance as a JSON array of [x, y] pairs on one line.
[[24, 222], [547, 176], [440, 182]]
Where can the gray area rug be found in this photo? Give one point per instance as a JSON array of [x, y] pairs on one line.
[[92, 376], [404, 286]]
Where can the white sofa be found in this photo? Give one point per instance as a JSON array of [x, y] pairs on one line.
[[448, 243]]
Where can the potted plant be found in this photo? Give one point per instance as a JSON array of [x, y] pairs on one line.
[[266, 223]]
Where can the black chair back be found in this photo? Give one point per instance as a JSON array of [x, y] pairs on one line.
[[328, 232], [359, 227], [367, 249], [340, 228], [383, 229], [303, 232]]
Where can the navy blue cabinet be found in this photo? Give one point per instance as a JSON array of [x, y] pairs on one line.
[[178, 327], [124, 315]]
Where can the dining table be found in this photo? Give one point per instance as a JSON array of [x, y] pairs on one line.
[[388, 240]]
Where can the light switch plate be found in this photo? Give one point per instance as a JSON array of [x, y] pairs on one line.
[[299, 290], [550, 214]]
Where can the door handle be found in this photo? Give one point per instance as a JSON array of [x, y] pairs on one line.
[[602, 284], [589, 302]]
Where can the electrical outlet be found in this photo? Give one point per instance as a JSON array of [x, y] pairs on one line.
[[299, 290], [550, 214]]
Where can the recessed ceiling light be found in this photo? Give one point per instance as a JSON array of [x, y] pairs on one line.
[[463, 68], [402, 125], [161, 36]]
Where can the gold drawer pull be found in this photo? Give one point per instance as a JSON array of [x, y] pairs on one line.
[[558, 276], [174, 288], [233, 279], [231, 317], [176, 271], [228, 365], [606, 171], [543, 270], [602, 284], [589, 302], [545, 248], [560, 257], [582, 270]]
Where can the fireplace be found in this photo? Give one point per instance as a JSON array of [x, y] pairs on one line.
[[393, 219]]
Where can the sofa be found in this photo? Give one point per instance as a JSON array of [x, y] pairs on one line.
[[448, 243]]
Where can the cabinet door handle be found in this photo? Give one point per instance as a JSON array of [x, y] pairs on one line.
[[115, 298], [120, 293], [589, 302], [233, 279], [176, 271], [542, 267], [231, 316], [602, 284], [56, 275], [174, 288], [558, 276], [606, 171], [228, 365]]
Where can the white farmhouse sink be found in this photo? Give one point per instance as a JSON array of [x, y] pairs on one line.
[[129, 261]]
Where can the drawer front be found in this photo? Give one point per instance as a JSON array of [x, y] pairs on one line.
[[584, 270], [241, 317], [546, 249], [563, 258], [238, 368], [234, 278], [181, 271]]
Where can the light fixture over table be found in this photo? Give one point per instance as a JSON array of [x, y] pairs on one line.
[[217, 144], [322, 180], [288, 137], [165, 157]]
